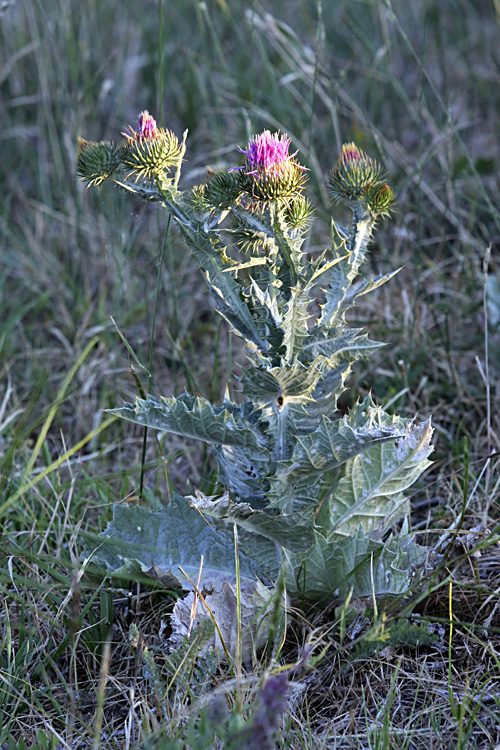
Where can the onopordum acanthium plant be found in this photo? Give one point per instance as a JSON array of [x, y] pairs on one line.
[[312, 492]]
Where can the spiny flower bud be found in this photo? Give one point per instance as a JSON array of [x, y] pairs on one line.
[[221, 189], [270, 172], [300, 214], [354, 172], [380, 199], [95, 162], [149, 151]]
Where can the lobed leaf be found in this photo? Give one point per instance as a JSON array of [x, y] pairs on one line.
[[330, 446], [355, 564], [294, 531], [195, 417], [161, 541], [370, 491]]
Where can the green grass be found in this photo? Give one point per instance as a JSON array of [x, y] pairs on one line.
[[413, 84]]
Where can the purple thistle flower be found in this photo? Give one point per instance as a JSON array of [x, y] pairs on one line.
[[351, 153], [268, 153], [149, 151], [146, 128], [270, 172]]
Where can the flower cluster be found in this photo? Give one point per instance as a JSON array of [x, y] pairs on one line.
[[270, 174], [357, 177]]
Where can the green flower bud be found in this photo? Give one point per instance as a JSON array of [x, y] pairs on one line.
[[380, 199], [221, 189], [354, 172], [150, 151], [95, 162], [300, 214]]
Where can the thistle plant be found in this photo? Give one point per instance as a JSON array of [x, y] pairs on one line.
[[313, 493]]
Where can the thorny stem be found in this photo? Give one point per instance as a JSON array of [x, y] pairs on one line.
[[151, 343], [281, 244], [362, 228]]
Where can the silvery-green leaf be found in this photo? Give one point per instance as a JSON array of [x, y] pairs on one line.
[[291, 383], [161, 541], [254, 335], [294, 324], [293, 531], [244, 472], [280, 394], [193, 417], [204, 246], [324, 404], [266, 301], [355, 563], [335, 343], [335, 288], [321, 451], [368, 285], [370, 491]]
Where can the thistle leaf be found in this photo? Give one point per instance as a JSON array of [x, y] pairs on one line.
[[161, 541], [335, 344], [244, 472], [289, 383], [194, 417], [205, 247], [354, 564], [370, 492], [294, 325], [293, 531], [330, 446]]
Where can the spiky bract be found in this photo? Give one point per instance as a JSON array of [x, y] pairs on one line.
[[221, 189], [95, 162], [146, 158], [300, 214]]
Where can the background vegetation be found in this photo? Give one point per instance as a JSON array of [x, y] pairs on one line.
[[414, 84]]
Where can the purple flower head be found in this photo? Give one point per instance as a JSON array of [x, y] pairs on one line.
[[270, 172], [149, 151], [146, 128], [268, 153], [351, 153]]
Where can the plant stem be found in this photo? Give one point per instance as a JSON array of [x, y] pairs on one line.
[[151, 344]]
